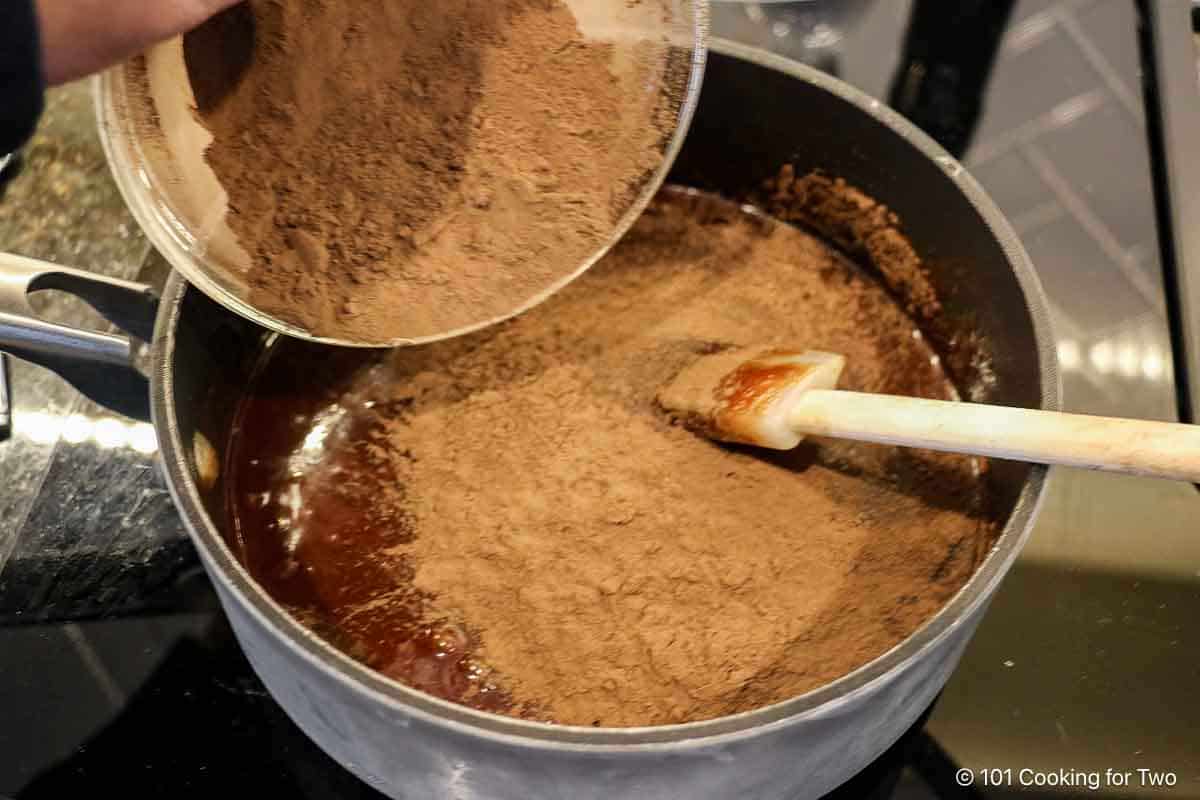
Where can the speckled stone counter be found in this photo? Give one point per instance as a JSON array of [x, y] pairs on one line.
[[86, 525]]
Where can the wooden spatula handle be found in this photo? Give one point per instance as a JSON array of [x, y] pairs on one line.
[[1137, 447]]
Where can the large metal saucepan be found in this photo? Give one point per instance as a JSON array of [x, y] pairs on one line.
[[757, 112]]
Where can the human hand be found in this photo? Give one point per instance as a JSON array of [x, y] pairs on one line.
[[80, 37]]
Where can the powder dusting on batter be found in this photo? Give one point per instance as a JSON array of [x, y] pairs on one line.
[[604, 566]]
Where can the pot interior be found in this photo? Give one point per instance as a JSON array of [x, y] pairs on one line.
[[752, 120]]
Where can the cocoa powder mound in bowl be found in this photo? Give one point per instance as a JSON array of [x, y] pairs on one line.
[[390, 173]]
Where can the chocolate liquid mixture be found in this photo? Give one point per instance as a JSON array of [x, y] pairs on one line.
[[505, 520], [407, 169]]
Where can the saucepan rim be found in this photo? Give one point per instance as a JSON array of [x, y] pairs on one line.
[[823, 701]]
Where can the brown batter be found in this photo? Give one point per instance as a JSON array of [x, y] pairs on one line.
[[408, 169], [507, 521]]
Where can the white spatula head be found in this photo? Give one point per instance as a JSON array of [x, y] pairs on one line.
[[743, 395]]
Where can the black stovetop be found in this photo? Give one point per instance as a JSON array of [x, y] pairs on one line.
[[200, 724], [118, 670]]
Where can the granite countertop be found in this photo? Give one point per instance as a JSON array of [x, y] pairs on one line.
[[87, 527]]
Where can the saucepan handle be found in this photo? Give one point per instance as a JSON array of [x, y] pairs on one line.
[[108, 367], [5, 402]]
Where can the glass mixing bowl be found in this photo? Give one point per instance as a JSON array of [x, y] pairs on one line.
[[155, 145]]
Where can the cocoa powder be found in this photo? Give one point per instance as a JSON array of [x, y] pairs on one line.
[[858, 224], [555, 548], [402, 170]]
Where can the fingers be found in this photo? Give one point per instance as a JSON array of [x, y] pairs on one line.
[[80, 37]]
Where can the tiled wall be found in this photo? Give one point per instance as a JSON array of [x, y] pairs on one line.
[[1062, 149]]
